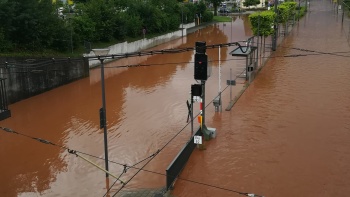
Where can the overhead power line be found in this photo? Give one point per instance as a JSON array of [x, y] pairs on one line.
[[41, 140], [168, 51]]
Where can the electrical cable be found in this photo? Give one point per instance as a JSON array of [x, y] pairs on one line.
[[44, 141], [139, 65], [125, 166], [109, 189], [319, 52], [128, 167], [172, 51], [165, 63], [171, 139], [152, 156], [232, 59]]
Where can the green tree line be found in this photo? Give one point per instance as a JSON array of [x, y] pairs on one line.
[[36, 25]]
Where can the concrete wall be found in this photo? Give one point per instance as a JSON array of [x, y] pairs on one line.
[[29, 77], [125, 47], [186, 26]]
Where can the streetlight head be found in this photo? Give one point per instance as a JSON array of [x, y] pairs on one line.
[[101, 52]]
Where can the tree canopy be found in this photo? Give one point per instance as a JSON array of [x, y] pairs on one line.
[[248, 3], [216, 4], [32, 25]]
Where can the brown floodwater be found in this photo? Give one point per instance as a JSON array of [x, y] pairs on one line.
[[287, 136], [289, 133], [146, 107]]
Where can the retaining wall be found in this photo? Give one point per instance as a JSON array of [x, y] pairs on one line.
[[28, 77], [126, 47]]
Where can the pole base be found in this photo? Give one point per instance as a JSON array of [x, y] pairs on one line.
[[208, 133]]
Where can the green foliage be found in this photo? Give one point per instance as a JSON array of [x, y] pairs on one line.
[[301, 12], [291, 7], [216, 4], [5, 45], [84, 27], [34, 25], [201, 7], [30, 25], [189, 12], [248, 3], [262, 22], [283, 13], [222, 19], [207, 16], [134, 26], [286, 10]]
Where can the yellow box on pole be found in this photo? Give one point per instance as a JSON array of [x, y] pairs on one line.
[[200, 120]]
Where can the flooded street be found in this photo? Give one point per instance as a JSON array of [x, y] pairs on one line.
[[288, 135], [146, 108]]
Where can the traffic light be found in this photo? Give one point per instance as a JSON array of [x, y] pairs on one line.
[[200, 66], [201, 47], [196, 90]]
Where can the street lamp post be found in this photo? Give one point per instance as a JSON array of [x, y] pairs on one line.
[[101, 53], [182, 20]]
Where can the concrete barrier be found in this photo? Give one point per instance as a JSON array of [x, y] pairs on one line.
[[139, 45]]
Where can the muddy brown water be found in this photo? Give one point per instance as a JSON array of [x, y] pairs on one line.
[[289, 133], [287, 136]]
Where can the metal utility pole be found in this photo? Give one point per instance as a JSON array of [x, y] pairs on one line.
[[103, 119], [257, 44], [182, 19], [103, 110]]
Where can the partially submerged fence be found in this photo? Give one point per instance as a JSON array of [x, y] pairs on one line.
[[176, 166], [4, 111], [29, 77]]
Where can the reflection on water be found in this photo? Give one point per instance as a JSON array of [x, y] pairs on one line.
[[145, 109]]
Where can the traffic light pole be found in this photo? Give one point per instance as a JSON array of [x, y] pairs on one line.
[[203, 101], [201, 73]]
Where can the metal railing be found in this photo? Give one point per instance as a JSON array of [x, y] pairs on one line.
[[3, 96]]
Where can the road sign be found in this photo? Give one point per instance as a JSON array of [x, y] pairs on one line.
[[197, 139]]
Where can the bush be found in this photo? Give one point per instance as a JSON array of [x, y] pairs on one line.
[[301, 12], [5, 45], [264, 20], [207, 16]]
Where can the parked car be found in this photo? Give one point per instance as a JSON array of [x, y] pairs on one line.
[[223, 10]]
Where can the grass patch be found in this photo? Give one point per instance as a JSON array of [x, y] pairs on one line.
[[222, 19]]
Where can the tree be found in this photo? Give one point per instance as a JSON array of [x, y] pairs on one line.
[[248, 3], [262, 23], [216, 4]]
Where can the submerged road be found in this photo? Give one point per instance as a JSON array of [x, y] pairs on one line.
[[289, 133]]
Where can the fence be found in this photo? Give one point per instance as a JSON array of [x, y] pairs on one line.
[[176, 166], [4, 112], [29, 77]]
